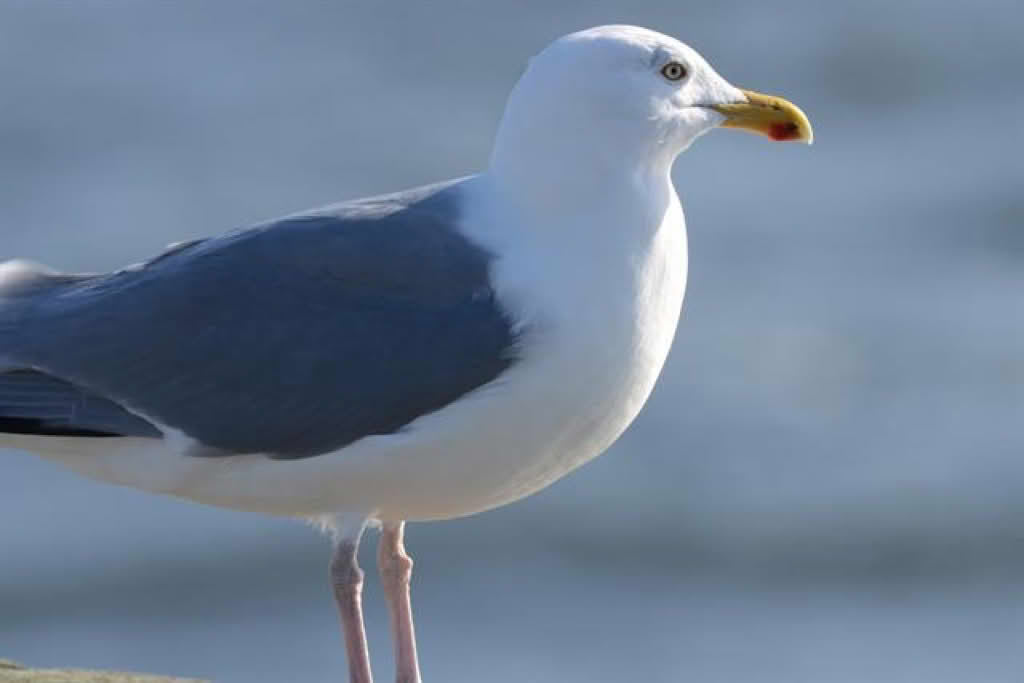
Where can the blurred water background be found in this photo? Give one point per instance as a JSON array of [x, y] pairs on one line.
[[827, 483]]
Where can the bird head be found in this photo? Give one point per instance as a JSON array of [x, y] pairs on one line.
[[623, 93]]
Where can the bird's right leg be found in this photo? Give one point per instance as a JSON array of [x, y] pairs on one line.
[[347, 582], [395, 573]]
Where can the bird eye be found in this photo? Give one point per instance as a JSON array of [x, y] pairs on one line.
[[673, 71]]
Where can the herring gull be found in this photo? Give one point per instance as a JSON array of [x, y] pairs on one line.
[[415, 356]]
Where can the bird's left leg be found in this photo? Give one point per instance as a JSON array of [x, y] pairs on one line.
[[347, 582], [395, 567]]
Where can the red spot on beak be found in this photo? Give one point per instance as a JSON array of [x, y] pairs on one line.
[[784, 131]]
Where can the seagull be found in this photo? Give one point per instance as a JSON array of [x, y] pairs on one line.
[[415, 356]]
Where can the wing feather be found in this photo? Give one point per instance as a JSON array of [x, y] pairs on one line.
[[32, 402], [292, 338]]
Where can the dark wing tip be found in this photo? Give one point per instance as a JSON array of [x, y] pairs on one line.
[[33, 402], [39, 427]]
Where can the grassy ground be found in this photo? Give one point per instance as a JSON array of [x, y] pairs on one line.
[[15, 673]]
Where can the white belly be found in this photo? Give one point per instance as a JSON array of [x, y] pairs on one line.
[[592, 351]]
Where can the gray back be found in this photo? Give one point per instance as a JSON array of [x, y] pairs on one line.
[[292, 338]]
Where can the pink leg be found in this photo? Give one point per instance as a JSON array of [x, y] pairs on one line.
[[347, 582], [395, 574]]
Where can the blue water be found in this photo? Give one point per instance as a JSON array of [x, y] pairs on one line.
[[826, 483]]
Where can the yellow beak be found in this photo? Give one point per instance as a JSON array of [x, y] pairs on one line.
[[768, 115]]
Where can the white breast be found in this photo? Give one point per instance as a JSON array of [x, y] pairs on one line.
[[601, 315]]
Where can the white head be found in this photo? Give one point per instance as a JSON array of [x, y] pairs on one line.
[[629, 97]]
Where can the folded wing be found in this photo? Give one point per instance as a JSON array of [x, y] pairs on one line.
[[292, 339]]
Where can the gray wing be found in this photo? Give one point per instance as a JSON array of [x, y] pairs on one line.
[[33, 402], [293, 338]]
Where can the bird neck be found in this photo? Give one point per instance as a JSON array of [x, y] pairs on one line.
[[574, 190]]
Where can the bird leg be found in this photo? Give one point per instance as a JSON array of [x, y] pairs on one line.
[[347, 582], [395, 567]]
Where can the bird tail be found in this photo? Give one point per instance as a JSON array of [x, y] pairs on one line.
[[20, 282], [20, 278], [34, 404], [9, 287]]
